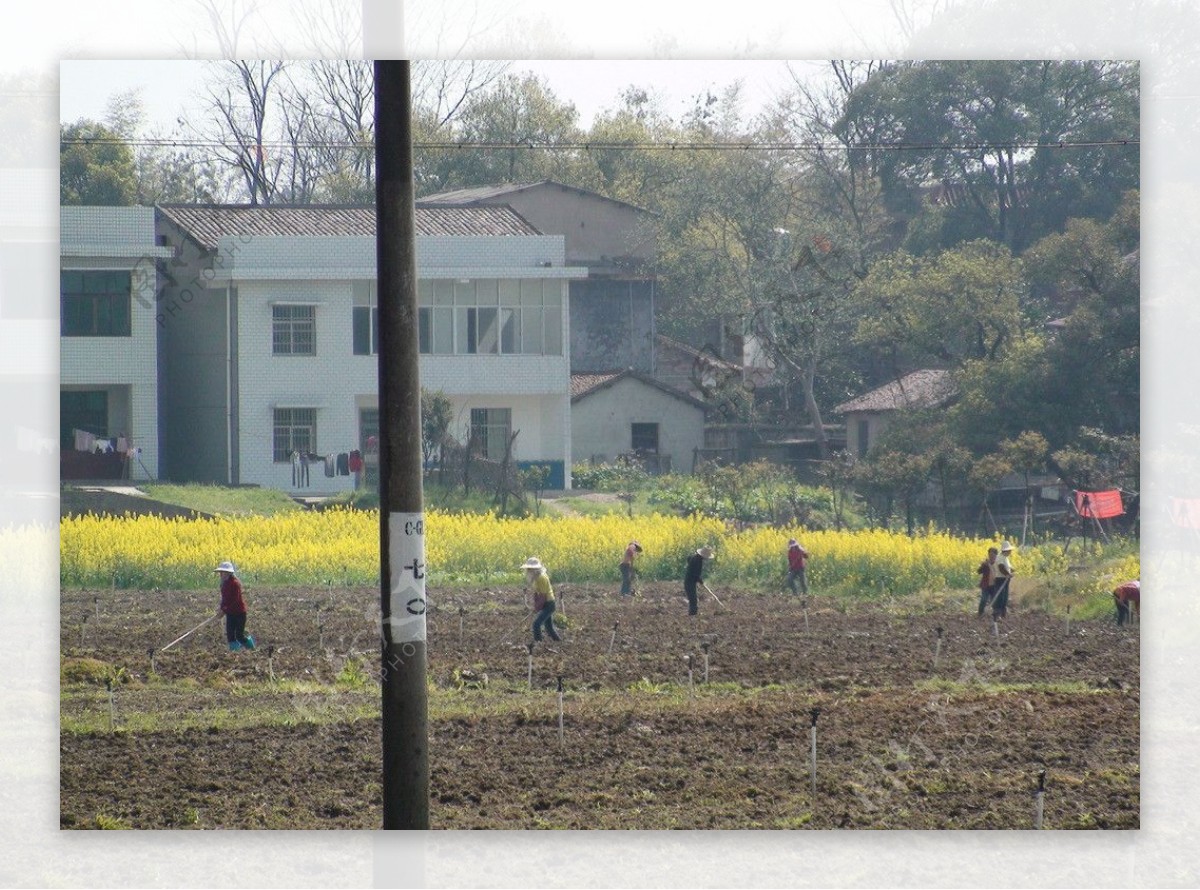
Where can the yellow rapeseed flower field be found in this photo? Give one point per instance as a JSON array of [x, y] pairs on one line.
[[341, 547]]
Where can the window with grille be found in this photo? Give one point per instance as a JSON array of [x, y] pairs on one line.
[[294, 330], [490, 431], [295, 430], [95, 304]]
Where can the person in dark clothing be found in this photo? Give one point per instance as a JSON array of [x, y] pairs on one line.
[[693, 575], [233, 607]]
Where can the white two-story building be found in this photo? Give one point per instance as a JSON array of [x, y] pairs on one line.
[[108, 396], [267, 332]]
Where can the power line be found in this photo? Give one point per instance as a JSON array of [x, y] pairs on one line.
[[589, 146]]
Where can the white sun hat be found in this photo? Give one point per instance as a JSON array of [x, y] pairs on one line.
[[533, 563], [226, 566]]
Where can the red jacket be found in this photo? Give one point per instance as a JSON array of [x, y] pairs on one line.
[[796, 557], [231, 597]]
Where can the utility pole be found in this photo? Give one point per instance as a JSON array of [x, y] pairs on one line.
[[401, 509]]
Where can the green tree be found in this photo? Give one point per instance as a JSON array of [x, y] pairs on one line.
[[437, 413], [960, 304], [514, 114], [96, 165], [993, 130], [1026, 453], [890, 475]]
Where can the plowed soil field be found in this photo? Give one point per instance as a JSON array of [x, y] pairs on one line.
[[909, 733]]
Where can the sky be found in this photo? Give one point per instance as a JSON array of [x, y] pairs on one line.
[[37, 36], [172, 88]]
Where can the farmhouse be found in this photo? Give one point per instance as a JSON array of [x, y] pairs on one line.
[[868, 415], [108, 396], [629, 412], [268, 334]]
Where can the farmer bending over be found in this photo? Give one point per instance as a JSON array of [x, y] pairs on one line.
[[233, 607], [1128, 596], [543, 598]]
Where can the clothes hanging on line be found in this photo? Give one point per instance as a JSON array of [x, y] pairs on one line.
[[343, 464], [356, 461], [330, 466]]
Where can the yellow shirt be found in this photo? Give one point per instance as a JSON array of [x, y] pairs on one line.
[[542, 588]]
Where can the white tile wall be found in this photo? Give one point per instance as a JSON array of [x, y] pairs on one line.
[[117, 238]]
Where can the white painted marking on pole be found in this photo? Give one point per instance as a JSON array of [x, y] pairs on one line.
[[406, 557]]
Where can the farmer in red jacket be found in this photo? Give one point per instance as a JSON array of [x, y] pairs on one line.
[[1128, 596], [233, 607], [797, 558]]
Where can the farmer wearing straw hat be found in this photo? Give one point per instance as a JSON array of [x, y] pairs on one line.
[[233, 607], [693, 575], [1004, 573], [797, 558], [627, 569], [543, 598]]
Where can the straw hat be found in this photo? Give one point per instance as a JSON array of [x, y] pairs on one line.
[[1006, 547], [226, 566], [792, 542], [533, 563], [706, 552]]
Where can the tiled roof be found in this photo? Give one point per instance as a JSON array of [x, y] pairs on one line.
[[581, 384], [208, 223], [483, 193], [586, 384], [920, 389]]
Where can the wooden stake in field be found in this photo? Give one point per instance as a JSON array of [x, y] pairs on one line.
[[83, 630], [1068, 619], [691, 685], [704, 649], [812, 752], [112, 705], [96, 603], [804, 605], [613, 638], [561, 740], [937, 651], [320, 628], [461, 610], [529, 646], [150, 655], [271, 661], [1039, 798]]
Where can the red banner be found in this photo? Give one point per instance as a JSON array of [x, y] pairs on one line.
[[1098, 504]]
